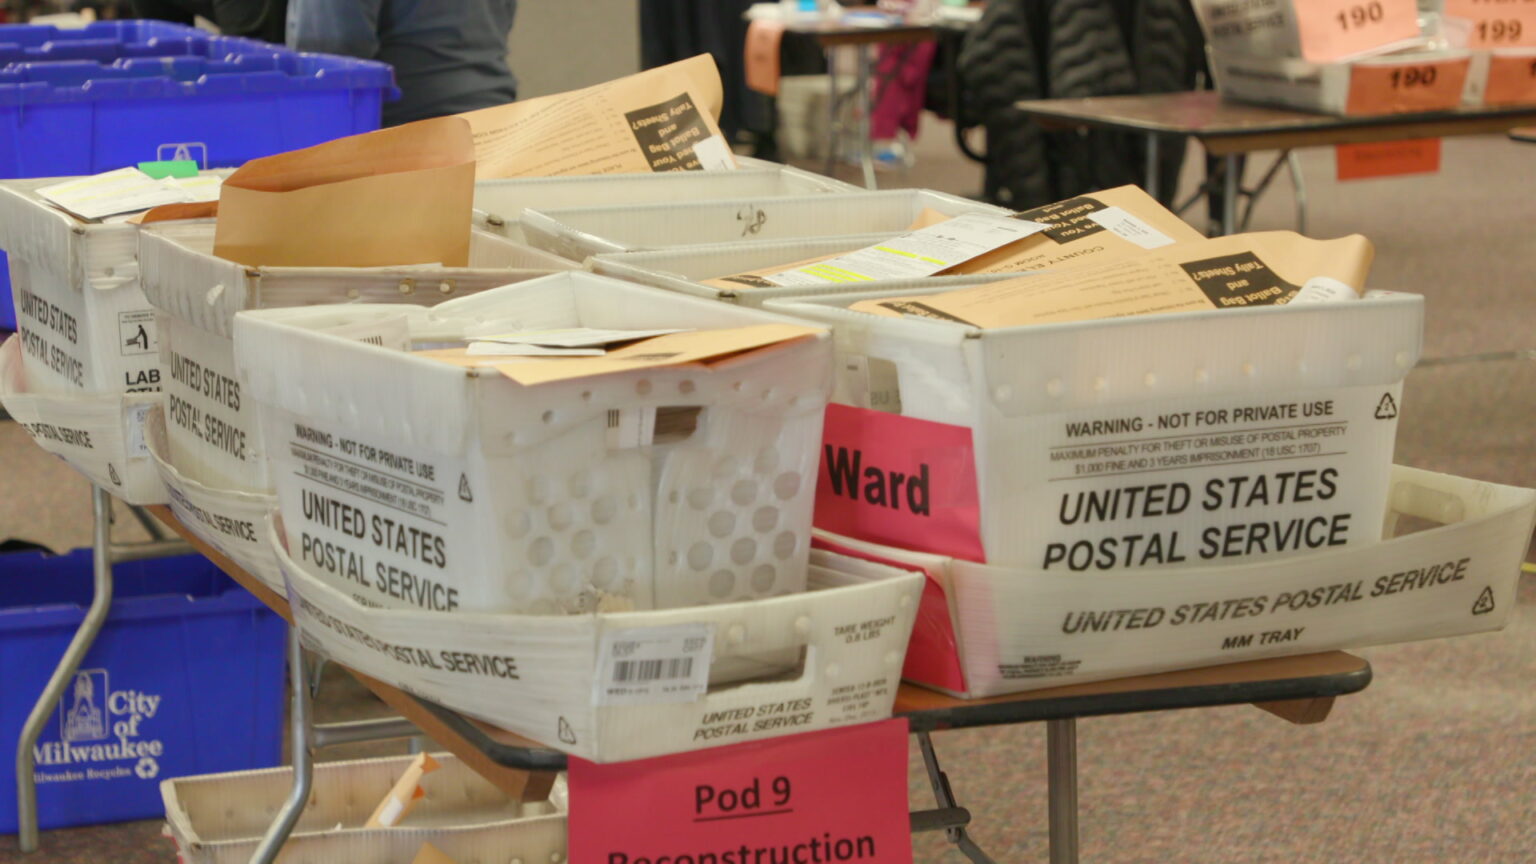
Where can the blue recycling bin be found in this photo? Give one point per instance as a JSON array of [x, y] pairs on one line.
[[186, 678], [122, 92]]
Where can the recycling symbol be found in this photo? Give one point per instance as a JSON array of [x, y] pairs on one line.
[[1386, 409], [1484, 603], [147, 768], [567, 734], [464, 493]]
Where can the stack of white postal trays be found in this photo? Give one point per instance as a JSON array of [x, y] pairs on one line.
[[82, 370], [205, 443], [511, 552]]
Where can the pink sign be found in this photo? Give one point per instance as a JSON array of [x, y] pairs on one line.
[[1335, 29], [933, 654], [834, 795], [899, 481]]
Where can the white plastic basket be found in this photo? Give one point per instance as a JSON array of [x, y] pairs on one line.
[[849, 630], [684, 269], [211, 429], [220, 818], [99, 434], [1054, 424], [233, 522], [500, 203], [579, 232], [1450, 565], [518, 498], [86, 326]]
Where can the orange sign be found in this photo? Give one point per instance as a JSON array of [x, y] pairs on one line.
[[1388, 159], [1390, 88], [1496, 23], [1335, 29], [1511, 80], [762, 50]]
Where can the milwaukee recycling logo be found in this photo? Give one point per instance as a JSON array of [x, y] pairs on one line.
[[99, 724]]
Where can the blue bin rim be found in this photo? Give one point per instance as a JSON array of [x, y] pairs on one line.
[[330, 73], [233, 598]]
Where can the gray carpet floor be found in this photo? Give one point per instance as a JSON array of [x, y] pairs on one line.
[[1435, 762]]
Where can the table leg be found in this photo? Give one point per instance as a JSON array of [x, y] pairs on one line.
[[1294, 162], [834, 120], [1231, 188], [1152, 186], [64, 673], [303, 758], [1061, 769], [866, 146]]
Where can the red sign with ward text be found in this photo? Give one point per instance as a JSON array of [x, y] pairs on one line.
[[839, 795], [899, 481]]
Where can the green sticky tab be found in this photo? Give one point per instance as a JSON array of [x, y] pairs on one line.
[[169, 168]]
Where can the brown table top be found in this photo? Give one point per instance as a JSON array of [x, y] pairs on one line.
[[1234, 127], [1305, 683], [833, 33]]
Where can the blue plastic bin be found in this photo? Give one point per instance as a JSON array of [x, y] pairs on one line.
[[122, 92], [186, 678]]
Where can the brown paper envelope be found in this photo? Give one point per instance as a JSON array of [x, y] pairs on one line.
[[397, 196], [429, 854], [169, 212], [674, 349], [1259, 269], [607, 128]]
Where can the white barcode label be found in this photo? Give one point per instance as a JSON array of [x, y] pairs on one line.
[[631, 427], [652, 665]]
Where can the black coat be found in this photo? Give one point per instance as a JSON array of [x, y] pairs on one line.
[[1051, 49]]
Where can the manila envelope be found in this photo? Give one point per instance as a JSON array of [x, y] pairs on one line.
[[396, 196], [1265, 268], [674, 349]]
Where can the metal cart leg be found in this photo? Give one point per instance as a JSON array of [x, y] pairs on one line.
[[866, 146], [945, 797], [303, 757], [834, 116], [1153, 186], [1294, 162], [1061, 769], [1231, 186], [95, 616]]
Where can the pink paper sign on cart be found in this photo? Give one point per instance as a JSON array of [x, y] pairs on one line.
[[899, 481], [835, 795]]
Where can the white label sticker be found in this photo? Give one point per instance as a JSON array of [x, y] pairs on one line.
[[1119, 221], [921, 253], [1321, 289], [652, 665], [714, 154], [138, 447]]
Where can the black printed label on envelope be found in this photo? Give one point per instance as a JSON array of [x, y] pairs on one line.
[[1068, 220], [668, 131], [1239, 280]]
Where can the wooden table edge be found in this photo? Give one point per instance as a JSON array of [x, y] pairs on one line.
[[1299, 688]]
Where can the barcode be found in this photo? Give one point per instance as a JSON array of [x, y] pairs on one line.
[[373, 340], [625, 671], [613, 418]]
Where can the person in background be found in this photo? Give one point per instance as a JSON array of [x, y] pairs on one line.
[[449, 56]]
